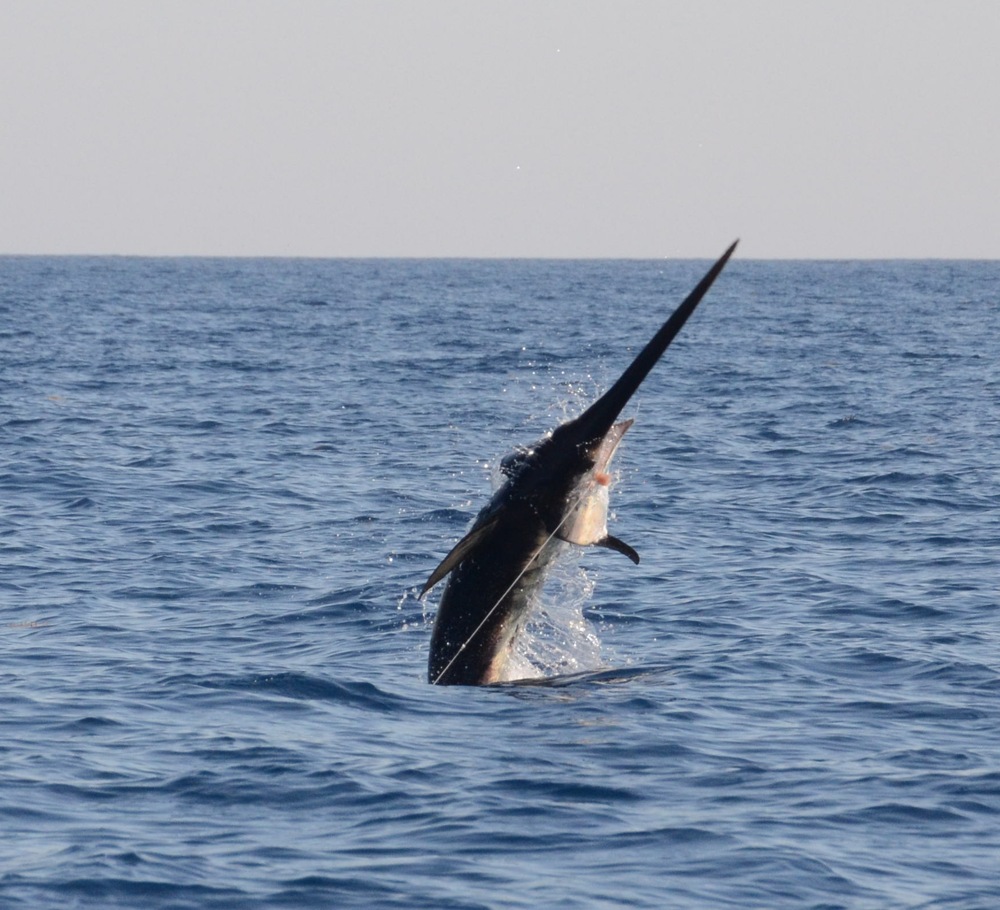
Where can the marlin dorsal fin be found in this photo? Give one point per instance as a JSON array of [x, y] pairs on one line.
[[459, 553]]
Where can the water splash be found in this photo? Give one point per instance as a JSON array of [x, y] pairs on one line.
[[558, 638]]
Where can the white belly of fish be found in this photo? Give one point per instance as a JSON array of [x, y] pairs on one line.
[[588, 522]]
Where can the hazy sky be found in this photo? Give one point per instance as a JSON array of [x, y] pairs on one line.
[[646, 129]]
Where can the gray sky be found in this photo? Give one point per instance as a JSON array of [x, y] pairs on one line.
[[387, 128]]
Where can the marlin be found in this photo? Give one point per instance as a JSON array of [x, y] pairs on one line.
[[555, 492]]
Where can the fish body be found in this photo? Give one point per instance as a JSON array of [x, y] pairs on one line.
[[554, 493]]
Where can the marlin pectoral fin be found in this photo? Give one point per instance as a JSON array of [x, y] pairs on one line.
[[613, 543], [458, 553]]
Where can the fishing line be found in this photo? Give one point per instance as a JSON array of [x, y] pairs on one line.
[[510, 587]]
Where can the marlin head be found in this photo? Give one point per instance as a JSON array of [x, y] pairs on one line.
[[555, 490]]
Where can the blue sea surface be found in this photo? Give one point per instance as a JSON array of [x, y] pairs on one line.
[[224, 482]]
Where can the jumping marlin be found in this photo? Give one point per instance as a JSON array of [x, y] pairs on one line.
[[556, 490]]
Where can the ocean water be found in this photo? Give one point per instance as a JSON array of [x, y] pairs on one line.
[[223, 483]]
